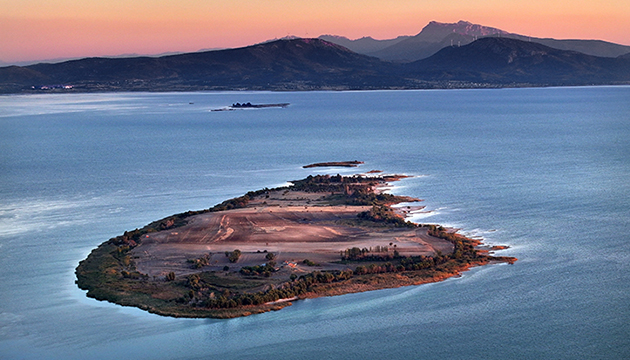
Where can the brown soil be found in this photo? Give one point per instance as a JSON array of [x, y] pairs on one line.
[[292, 225]]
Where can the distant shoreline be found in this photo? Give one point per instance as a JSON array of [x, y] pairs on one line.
[[79, 89], [456, 85]]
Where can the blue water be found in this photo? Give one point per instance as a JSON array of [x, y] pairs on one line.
[[542, 170]]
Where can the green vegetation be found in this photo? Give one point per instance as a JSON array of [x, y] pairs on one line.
[[347, 190], [384, 215], [241, 201], [258, 270], [199, 262], [380, 253], [233, 256]]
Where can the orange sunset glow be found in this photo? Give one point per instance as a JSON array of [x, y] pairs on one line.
[[39, 30]]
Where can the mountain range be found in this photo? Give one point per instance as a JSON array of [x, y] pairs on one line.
[[436, 36], [487, 60], [505, 60]]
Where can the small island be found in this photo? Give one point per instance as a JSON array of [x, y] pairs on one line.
[[249, 105], [353, 163], [257, 106], [321, 236]]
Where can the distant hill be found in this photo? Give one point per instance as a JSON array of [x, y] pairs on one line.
[[436, 36], [283, 64], [589, 47], [310, 64], [505, 60], [364, 45], [16, 79]]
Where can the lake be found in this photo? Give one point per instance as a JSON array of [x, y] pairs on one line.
[[543, 170]]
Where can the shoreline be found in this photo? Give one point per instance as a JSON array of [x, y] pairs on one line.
[[104, 89], [165, 267], [331, 90]]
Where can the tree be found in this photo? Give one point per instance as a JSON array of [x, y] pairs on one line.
[[353, 253], [234, 256], [170, 276], [270, 256], [360, 270]]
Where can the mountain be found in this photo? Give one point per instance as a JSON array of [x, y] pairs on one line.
[[506, 61], [308, 64], [293, 64], [436, 36], [14, 78], [364, 45]]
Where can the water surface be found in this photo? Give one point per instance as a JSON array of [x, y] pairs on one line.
[[542, 170]]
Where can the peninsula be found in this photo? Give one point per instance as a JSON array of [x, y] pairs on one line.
[[321, 236]]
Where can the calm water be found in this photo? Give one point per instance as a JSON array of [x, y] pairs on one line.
[[543, 170]]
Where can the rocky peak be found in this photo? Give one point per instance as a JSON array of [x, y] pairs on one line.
[[438, 31]]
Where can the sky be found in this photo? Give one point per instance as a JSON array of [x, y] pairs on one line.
[[53, 29]]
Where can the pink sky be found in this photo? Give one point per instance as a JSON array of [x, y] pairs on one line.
[[49, 29]]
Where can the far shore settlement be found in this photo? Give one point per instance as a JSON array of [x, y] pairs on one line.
[[321, 236]]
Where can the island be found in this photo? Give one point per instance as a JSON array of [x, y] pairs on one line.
[[353, 163], [321, 236], [249, 105], [257, 106]]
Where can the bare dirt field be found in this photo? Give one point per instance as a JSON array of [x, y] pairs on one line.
[[292, 225]]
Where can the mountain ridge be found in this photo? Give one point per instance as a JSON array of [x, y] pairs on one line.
[[365, 45], [315, 64], [506, 60], [300, 64], [436, 35]]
